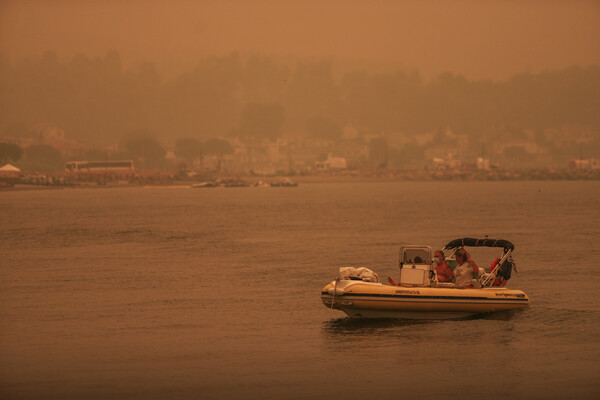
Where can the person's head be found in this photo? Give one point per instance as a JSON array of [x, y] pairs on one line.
[[439, 254], [461, 256]]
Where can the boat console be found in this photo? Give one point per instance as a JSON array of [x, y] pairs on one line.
[[416, 265]]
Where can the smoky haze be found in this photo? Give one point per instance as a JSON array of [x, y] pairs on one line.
[[104, 71], [481, 40]]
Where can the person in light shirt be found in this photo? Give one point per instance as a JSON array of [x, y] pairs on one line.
[[463, 273]]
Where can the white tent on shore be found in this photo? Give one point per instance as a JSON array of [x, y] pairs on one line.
[[9, 168]]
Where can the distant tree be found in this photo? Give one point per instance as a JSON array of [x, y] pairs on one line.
[[135, 134], [262, 121], [10, 152], [378, 152], [100, 99], [540, 137], [264, 81], [17, 130], [389, 102], [219, 148], [189, 149], [410, 154], [94, 155], [119, 155], [311, 90], [516, 153], [322, 156], [148, 152], [513, 132], [324, 128], [208, 97], [42, 158]]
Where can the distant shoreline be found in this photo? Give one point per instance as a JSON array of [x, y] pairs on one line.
[[150, 179]]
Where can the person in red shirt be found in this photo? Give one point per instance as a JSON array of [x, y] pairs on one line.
[[443, 271]]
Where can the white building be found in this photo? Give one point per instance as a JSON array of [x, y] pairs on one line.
[[483, 163], [332, 163], [584, 164]]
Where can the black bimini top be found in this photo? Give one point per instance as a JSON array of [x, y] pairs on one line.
[[480, 243]]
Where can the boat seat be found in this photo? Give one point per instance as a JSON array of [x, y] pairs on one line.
[[476, 284]]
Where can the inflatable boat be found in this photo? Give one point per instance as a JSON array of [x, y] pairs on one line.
[[419, 294]]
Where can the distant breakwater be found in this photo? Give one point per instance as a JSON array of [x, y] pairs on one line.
[[66, 179]]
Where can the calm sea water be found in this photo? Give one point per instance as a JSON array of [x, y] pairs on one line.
[[215, 293]]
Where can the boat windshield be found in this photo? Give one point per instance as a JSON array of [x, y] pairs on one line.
[[416, 256]]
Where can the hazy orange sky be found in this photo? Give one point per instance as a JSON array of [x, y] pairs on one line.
[[480, 39]]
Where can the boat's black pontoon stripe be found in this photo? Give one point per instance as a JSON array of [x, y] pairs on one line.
[[480, 243]]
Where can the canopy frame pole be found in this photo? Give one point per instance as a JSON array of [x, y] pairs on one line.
[[491, 277]]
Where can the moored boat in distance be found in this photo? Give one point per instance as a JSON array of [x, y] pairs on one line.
[[208, 184], [220, 183], [419, 294], [285, 182]]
